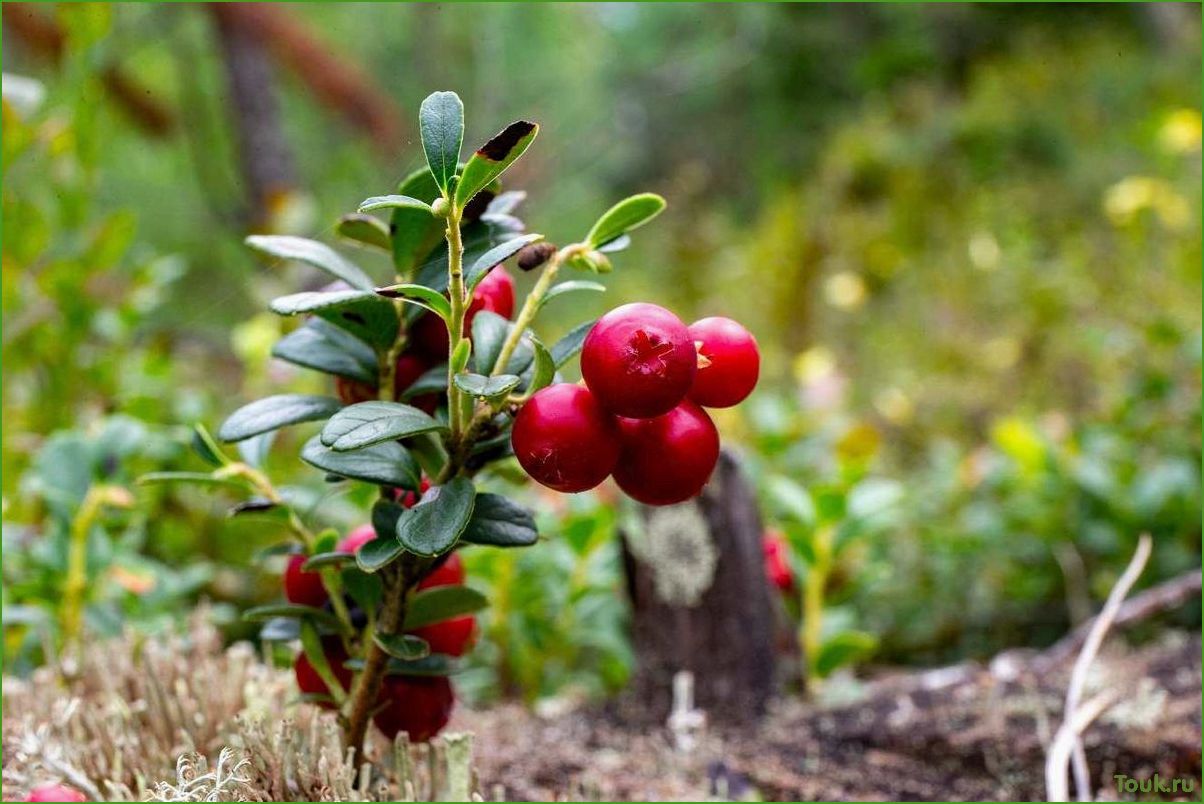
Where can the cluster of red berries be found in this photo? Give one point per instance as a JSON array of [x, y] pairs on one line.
[[427, 345], [419, 706], [777, 565], [639, 416]]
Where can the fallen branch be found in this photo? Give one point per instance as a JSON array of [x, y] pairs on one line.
[[1076, 720], [1155, 600]]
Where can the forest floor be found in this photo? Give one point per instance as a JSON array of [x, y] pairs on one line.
[[969, 732], [139, 720]]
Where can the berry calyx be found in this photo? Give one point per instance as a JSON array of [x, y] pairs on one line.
[[728, 362], [494, 293], [303, 588], [639, 360], [55, 792], [669, 458], [308, 680], [419, 706], [777, 567], [564, 439]]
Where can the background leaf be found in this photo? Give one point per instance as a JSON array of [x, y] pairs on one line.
[[630, 213], [319, 255]]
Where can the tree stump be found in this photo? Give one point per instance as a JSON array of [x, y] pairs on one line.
[[700, 601]]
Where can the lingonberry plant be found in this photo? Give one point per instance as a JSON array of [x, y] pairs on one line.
[[433, 383]]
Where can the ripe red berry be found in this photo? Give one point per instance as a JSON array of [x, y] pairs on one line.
[[667, 459], [639, 360], [302, 587], [494, 293], [419, 706], [449, 573], [410, 498], [450, 636], [564, 439], [55, 792], [309, 681], [777, 567], [728, 362]]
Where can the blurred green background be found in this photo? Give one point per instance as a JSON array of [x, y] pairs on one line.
[[967, 239]]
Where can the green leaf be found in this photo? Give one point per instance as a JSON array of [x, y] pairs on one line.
[[274, 412], [324, 347], [492, 159], [294, 610], [441, 603], [311, 301], [386, 464], [841, 649], [498, 521], [319, 255], [311, 643], [441, 123], [460, 355], [495, 255], [326, 541], [486, 387], [545, 368], [432, 526], [437, 664], [365, 589], [791, 500], [393, 202], [200, 478], [432, 381], [378, 553], [320, 560], [402, 646], [630, 213], [366, 423], [204, 445], [570, 287], [567, 347], [365, 230], [254, 450], [415, 231], [420, 295], [620, 243], [489, 331]]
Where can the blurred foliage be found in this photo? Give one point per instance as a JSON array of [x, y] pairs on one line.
[[967, 238]]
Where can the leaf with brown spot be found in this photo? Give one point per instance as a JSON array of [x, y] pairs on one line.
[[492, 159]]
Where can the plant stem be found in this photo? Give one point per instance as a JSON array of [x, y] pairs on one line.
[[529, 309], [455, 327], [813, 601], [77, 559]]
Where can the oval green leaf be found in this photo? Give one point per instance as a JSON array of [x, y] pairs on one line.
[[630, 213], [433, 526], [386, 464], [441, 124], [365, 230], [311, 252], [500, 522], [441, 603], [406, 647], [366, 423], [274, 412], [492, 159]]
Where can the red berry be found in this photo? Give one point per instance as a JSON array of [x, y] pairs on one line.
[[564, 439], [55, 792], [353, 541], [494, 293], [450, 636], [777, 567], [420, 706], [728, 362], [667, 459], [350, 392], [449, 573], [302, 587], [309, 681], [639, 360], [410, 498]]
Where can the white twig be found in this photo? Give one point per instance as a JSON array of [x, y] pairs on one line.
[[1067, 744]]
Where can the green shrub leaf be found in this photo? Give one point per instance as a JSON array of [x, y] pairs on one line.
[[319, 255], [386, 464], [366, 423], [486, 387], [492, 159], [433, 526], [630, 213], [571, 287], [420, 295], [274, 412], [321, 346], [402, 646], [496, 255], [365, 230], [393, 202], [841, 649], [441, 603], [498, 521], [567, 347], [441, 123]]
